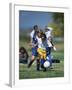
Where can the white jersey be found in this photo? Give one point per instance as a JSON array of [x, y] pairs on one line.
[[48, 33], [32, 34], [49, 43], [41, 44]]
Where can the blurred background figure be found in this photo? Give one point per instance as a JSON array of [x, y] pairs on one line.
[[23, 55]]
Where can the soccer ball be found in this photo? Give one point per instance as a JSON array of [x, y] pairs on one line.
[[46, 64]]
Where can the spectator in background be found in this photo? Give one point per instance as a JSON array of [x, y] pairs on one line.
[[23, 55]]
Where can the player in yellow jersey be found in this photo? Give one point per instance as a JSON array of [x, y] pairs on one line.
[[42, 45]]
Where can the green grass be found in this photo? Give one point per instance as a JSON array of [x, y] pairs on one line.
[[58, 68], [57, 71]]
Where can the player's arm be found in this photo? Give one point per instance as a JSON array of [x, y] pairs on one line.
[[31, 38], [54, 48]]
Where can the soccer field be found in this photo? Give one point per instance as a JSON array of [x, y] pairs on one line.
[[57, 71], [58, 68]]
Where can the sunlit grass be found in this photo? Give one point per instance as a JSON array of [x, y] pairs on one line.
[[58, 68], [25, 73]]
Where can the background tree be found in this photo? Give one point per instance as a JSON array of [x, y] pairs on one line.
[[58, 18], [58, 24]]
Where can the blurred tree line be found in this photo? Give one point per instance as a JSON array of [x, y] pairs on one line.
[[58, 24]]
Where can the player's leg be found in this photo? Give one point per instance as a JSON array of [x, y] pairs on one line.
[[32, 58], [42, 62], [38, 64], [37, 61], [50, 60], [42, 55], [42, 65]]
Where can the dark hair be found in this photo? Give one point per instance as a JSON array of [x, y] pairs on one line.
[[24, 51], [35, 26], [43, 35]]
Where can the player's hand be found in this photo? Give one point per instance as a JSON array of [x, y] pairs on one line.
[[54, 48]]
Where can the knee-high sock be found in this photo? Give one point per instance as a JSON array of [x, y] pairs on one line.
[[29, 65], [38, 64]]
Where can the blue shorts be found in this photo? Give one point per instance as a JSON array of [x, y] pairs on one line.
[[34, 51], [48, 50], [42, 61]]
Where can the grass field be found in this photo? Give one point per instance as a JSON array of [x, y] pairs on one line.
[[25, 73], [58, 68]]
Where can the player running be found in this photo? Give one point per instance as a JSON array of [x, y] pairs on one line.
[[34, 45], [43, 48], [48, 33]]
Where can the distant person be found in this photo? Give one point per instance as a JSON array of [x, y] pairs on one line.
[[34, 46], [23, 55]]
